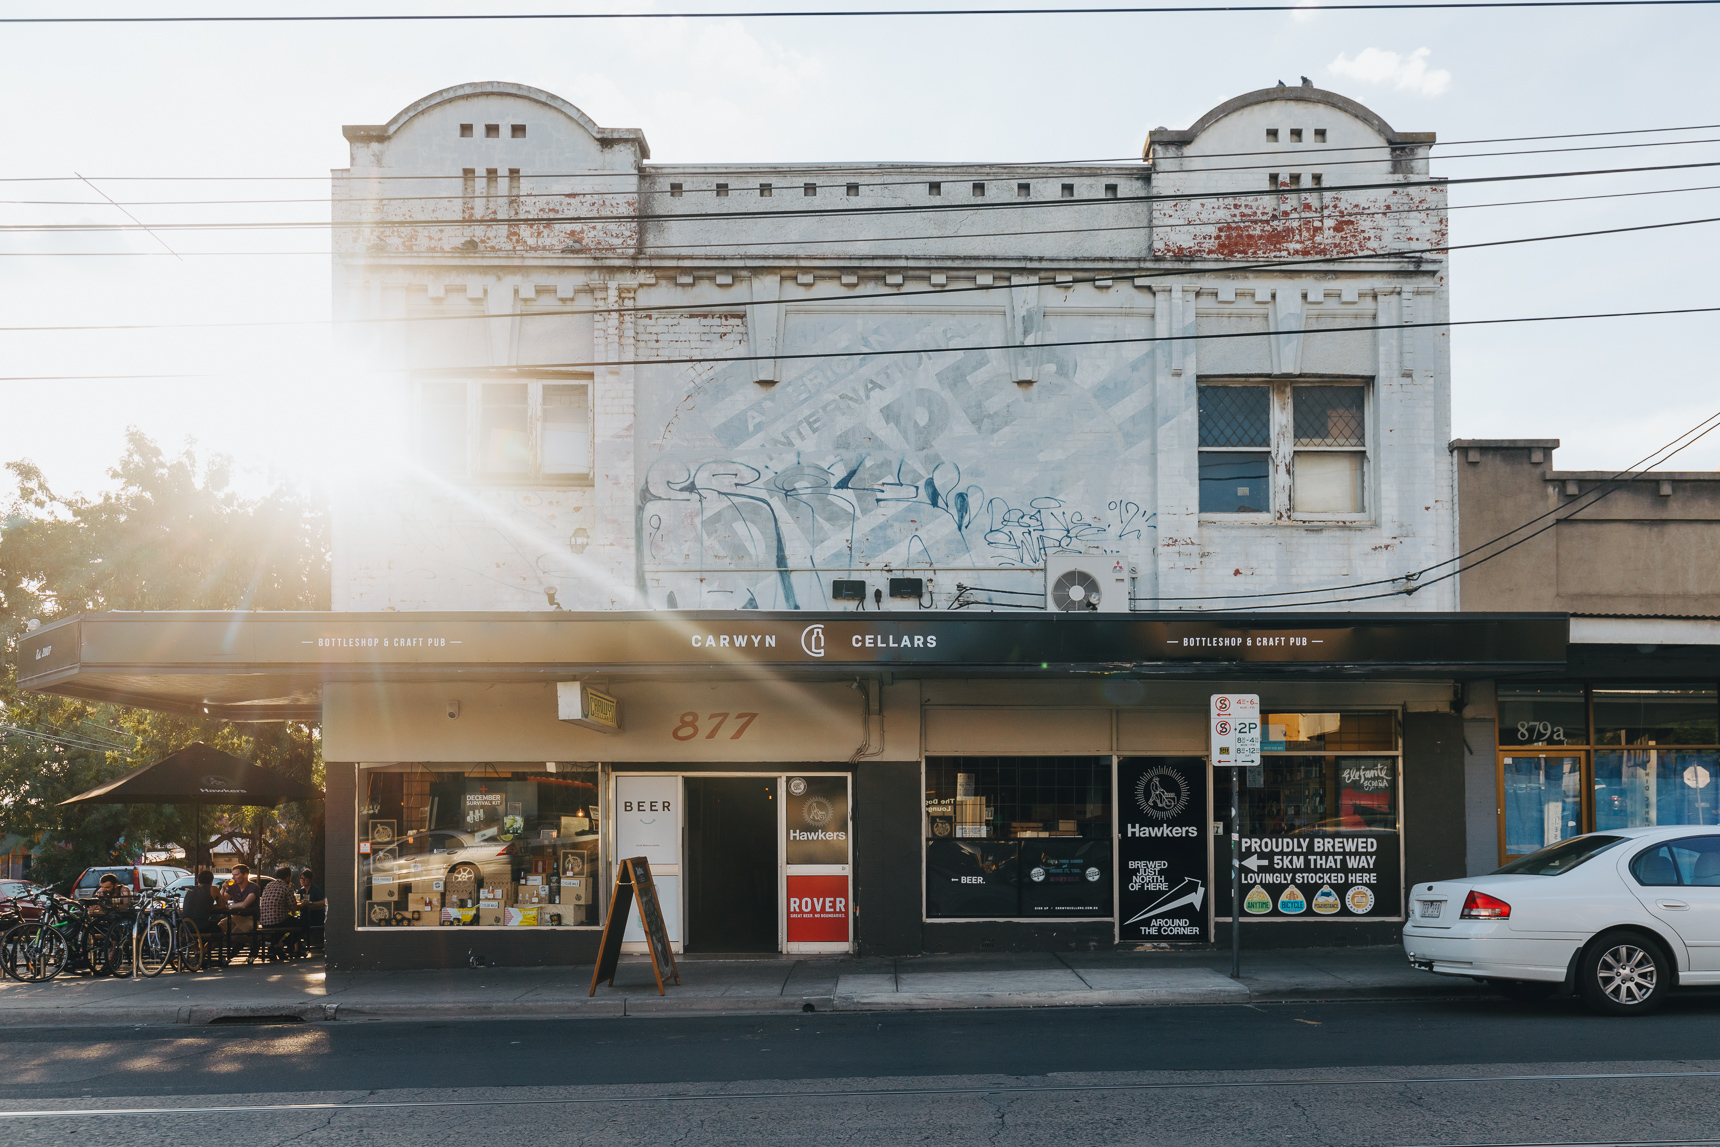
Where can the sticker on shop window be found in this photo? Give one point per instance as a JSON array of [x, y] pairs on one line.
[[1360, 900], [1326, 902]]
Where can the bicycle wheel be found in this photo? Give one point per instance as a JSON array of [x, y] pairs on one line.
[[33, 953], [190, 952], [155, 951], [104, 951]]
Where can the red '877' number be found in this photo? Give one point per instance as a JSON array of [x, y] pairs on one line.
[[688, 727]]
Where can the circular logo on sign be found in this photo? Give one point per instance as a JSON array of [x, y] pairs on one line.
[[816, 811], [1221, 704], [797, 786], [1162, 793], [1036, 875], [1093, 875], [812, 640], [1360, 899], [940, 827]]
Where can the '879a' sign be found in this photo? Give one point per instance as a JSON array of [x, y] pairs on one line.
[[1235, 730]]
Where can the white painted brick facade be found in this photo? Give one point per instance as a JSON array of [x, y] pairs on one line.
[[949, 441]]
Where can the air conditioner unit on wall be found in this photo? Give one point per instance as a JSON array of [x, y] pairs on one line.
[[1097, 583]]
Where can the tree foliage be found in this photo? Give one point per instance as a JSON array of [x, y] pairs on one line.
[[171, 534]]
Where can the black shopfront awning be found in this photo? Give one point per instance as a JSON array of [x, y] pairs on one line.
[[272, 666]]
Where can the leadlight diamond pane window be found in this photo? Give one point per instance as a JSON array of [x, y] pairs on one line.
[[1235, 416], [1329, 416]]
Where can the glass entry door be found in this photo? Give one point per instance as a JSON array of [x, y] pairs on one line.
[[1542, 799]]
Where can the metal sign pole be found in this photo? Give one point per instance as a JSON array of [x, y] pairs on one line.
[[1234, 742], [1235, 877]]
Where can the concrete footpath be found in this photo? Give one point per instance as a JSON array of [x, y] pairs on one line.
[[710, 985]]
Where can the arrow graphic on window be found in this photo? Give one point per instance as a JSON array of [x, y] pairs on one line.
[[1189, 892]]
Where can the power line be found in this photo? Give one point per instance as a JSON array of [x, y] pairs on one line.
[[756, 14], [565, 312], [540, 370], [750, 244], [885, 209], [1410, 583], [808, 168], [1615, 484], [694, 360]]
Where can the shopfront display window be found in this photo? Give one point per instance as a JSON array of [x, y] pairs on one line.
[[1319, 830], [1018, 837], [1653, 760], [475, 845]]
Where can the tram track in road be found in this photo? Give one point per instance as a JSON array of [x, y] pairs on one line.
[[911, 1092]]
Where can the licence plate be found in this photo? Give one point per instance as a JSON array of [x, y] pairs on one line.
[[1431, 908]]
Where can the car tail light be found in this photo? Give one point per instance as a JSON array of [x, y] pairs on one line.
[[1480, 906]]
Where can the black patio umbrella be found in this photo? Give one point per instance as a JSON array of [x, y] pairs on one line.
[[197, 774]]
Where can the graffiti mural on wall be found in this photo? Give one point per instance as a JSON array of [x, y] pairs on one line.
[[757, 497]]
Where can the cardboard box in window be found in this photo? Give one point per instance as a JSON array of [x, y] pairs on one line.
[[550, 918], [429, 903], [576, 891], [526, 917], [385, 891], [378, 913], [490, 917]]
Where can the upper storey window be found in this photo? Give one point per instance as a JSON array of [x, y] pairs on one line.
[[1283, 450], [534, 431]]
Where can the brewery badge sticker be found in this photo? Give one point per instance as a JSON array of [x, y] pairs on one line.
[[1326, 902], [1290, 901], [1361, 900], [1037, 875], [797, 786], [1257, 902], [1162, 793]]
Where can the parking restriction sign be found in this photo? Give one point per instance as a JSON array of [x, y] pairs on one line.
[[1235, 730]]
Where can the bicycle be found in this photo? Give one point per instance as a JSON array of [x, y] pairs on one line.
[[38, 951], [157, 928]]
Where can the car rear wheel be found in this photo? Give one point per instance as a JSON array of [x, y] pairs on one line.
[[1624, 974]]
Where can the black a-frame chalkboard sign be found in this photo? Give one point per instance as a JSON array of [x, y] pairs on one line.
[[633, 881]]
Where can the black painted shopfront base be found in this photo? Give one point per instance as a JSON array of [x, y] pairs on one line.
[[392, 949]]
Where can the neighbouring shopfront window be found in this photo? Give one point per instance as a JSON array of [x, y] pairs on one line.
[[1319, 828], [1018, 837], [1637, 788], [1652, 759], [478, 846]]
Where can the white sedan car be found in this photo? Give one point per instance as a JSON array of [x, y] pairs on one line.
[[1621, 917]]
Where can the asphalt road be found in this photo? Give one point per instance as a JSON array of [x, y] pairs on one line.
[[1425, 1072]]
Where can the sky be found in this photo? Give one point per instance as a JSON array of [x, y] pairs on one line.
[[158, 112]]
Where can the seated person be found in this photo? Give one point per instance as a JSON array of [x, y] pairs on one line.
[[313, 905], [275, 906], [112, 898], [199, 907], [241, 902]]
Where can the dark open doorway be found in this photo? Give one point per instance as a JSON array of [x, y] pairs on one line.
[[731, 880]]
